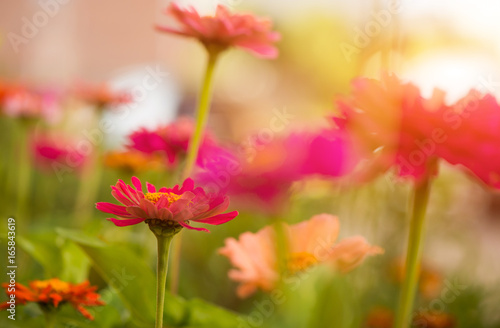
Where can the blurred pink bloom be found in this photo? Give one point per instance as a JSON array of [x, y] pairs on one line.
[[264, 172], [390, 123], [254, 255], [101, 95], [473, 138], [52, 152], [178, 205], [224, 30], [172, 140], [21, 102]]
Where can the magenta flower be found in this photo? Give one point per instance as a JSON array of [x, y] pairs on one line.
[[264, 173], [50, 152], [225, 30], [168, 205], [172, 140]]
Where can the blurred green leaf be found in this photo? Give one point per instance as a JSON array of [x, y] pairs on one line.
[[44, 250], [135, 282], [75, 263]]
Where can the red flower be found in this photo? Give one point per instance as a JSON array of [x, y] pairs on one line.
[[473, 138], [177, 205], [392, 124], [225, 30], [54, 292]]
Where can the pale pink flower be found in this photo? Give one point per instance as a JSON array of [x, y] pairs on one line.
[[310, 243], [225, 30]]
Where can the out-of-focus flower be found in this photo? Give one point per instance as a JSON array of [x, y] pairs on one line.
[[172, 141], [21, 102], [101, 95], [472, 138], [393, 125], [224, 30], [310, 242], [167, 206], [351, 252], [264, 172], [133, 161], [51, 293], [53, 152], [432, 319], [379, 317], [430, 280]]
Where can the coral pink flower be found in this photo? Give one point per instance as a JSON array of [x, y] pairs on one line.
[[21, 102], [54, 292], [101, 95], [225, 30], [169, 205], [172, 141], [310, 243], [392, 124]]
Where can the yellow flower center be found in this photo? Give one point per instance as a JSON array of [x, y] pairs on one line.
[[153, 197], [300, 261], [55, 284]]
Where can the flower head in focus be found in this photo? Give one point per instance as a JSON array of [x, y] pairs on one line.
[[254, 255], [52, 293], [224, 30], [172, 208]]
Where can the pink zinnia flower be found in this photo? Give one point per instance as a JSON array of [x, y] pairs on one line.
[[310, 243], [172, 140], [52, 152], [21, 102], [177, 205], [225, 30], [264, 172]]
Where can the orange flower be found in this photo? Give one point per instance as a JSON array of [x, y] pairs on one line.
[[101, 95], [53, 292], [225, 30], [309, 243], [132, 161]]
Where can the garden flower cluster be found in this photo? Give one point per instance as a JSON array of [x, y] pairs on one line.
[[275, 256]]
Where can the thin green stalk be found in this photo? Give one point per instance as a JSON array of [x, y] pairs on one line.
[[420, 199], [201, 114], [161, 275], [24, 173], [50, 318], [194, 146]]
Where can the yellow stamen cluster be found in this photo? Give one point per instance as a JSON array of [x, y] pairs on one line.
[[300, 261], [153, 197]]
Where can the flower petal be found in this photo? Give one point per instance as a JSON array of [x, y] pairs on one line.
[[127, 222], [219, 219]]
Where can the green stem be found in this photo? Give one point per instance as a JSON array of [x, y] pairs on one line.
[[50, 319], [194, 146], [161, 275], [24, 170], [201, 114], [420, 199]]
